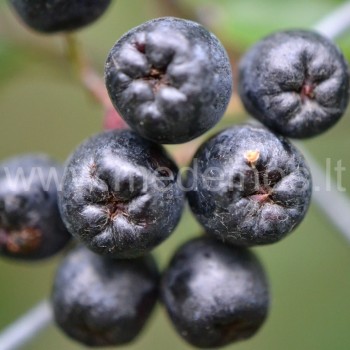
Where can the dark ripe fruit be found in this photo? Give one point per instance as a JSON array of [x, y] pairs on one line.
[[215, 294], [104, 302], [121, 194], [170, 79], [249, 186], [30, 224], [295, 82], [50, 16]]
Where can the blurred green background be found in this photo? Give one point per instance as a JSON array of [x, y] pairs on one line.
[[43, 108]]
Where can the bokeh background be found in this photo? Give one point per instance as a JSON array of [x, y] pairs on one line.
[[43, 108]]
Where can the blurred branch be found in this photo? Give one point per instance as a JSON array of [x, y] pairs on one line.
[[27, 327], [336, 23], [335, 204]]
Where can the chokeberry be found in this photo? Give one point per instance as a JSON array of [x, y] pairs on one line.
[[248, 186], [170, 79], [121, 194], [104, 302], [30, 223], [215, 294], [50, 16], [295, 82]]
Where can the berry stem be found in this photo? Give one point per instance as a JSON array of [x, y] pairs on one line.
[[90, 79], [92, 82], [176, 10]]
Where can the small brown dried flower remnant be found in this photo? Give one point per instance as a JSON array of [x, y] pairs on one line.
[[21, 241]]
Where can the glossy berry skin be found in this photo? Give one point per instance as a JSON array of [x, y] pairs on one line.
[[295, 82], [121, 194], [104, 302], [215, 294], [249, 186], [170, 79], [30, 224], [51, 16]]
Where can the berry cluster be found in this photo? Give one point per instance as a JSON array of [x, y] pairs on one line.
[[120, 194]]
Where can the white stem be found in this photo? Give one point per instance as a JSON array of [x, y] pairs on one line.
[[334, 203], [27, 327], [336, 23]]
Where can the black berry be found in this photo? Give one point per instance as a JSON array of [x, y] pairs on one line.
[[249, 186], [121, 194], [170, 79], [215, 294], [103, 302], [295, 82], [50, 16], [30, 224]]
